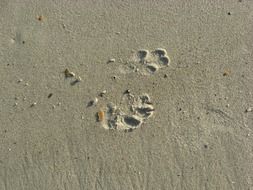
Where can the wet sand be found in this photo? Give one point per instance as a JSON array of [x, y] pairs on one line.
[[194, 131]]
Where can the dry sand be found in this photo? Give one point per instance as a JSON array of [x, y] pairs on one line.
[[199, 136]]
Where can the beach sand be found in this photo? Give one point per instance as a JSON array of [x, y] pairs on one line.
[[198, 132]]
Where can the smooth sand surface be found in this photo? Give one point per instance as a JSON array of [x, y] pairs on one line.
[[199, 136]]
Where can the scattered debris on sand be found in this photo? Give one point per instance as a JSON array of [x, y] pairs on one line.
[[92, 102], [20, 80], [250, 109], [50, 95], [68, 74], [40, 18], [127, 91], [100, 115], [112, 60], [101, 94], [33, 104]]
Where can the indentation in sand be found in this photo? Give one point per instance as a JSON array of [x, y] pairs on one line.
[[132, 112], [146, 62]]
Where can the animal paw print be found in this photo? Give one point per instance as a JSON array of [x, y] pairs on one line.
[[131, 115], [150, 62]]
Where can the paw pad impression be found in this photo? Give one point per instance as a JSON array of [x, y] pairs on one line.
[[152, 61], [132, 113]]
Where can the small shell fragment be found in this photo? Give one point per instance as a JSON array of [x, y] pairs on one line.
[[102, 93], [33, 104], [100, 115], [20, 80], [68, 73], [92, 102], [79, 78], [112, 60], [250, 109], [95, 101], [128, 91]]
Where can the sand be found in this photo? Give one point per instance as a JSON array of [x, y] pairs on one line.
[[198, 135]]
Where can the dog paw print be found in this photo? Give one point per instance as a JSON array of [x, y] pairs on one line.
[[130, 115], [150, 62]]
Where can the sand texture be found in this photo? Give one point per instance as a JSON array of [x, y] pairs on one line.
[[126, 95]]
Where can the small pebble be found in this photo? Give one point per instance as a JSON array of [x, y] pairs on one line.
[[111, 60], [117, 32], [102, 93], [68, 73], [93, 102], [26, 84], [250, 109], [227, 105], [79, 78], [34, 104], [50, 95], [20, 80], [226, 73], [127, 91], [12, 41], [15, 104], [40, 18]]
